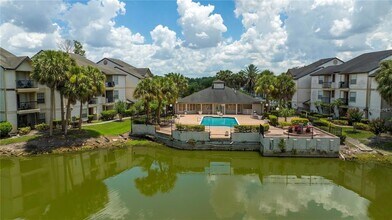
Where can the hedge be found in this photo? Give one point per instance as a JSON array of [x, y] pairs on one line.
[[340, 122], [140, 120], [273, 120], [5, 128], [108, 115], [284, 124], [250, 128], [296, 121], [42, 127], [361, 126], [321, 122], [190, 127], [24, 130]]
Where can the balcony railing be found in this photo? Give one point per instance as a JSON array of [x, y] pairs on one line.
[[344, 101], [24, 84], [110, 84], [110, 100], [327, 85], [326, 99], [343, 85], [93, 101], [27, 105]]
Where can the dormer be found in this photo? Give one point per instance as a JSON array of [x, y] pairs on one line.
[[218, 84]]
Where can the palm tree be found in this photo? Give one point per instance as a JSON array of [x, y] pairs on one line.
[[265, 85], [71, 90], [95, 82], [145, 91], [50, 69], [337, 103], [226, 76], [181, 83], [384, 80], [284, 89], [251, 73], [164, 91]]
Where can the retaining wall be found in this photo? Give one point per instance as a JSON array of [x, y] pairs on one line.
[[245, 137], [142, 129], [194, 135]]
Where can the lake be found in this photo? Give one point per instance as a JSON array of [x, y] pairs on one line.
[[163, 183]]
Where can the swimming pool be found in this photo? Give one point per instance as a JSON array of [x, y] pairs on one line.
[[219, 121]]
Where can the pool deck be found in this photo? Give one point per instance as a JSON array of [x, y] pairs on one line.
[[219, 132]]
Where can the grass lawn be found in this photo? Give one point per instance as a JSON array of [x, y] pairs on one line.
[[358, 134], [17, 139], [109, 129]]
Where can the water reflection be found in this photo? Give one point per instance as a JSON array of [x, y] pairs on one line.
[[143, 182]]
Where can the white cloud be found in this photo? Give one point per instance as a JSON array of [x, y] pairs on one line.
[[340, 26], [200, 27]]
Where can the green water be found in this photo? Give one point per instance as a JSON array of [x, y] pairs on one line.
[[162, 183]]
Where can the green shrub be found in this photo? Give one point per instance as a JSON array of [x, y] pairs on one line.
[[284, 124], [190, 127], [42, 127], [343, 118], [312, 118], [321, 122], [365, 121], [273, 120], [282, 145], [274, 112], [250, 128], [108, 115], [24, 130], [5, 128], [296, 121], [90, 118], [140, 120], [361, 126], [57, 123], [340, 122], [130, 112], [354, 115], [377, 126]]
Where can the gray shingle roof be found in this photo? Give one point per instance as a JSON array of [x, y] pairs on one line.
[[83, 61], [9, 60], [125, 67], [364, 63], [311, 68], [220, 96]]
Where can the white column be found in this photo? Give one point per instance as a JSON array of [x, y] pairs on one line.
[[186, 107], [224, 109], [236, 108]]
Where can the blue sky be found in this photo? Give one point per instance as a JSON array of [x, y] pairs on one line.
[[199, 38]]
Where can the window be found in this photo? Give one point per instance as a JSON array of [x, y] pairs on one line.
[[181, 107], [333, 78], [320, 95], [115, 80], [353, 79], [41, 118], [40, 97], [191, 107], [353, 96], [115, 94], [320, 79], [333, 94]]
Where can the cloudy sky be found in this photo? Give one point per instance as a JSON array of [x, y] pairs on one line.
[[198, 38]]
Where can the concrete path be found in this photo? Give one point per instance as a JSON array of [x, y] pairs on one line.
[[103, 122], [358, 145]]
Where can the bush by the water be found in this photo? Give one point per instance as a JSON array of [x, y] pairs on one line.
[[250, 128], [361, 126], [24, 130], [273, 120], [296, 121], [108, 115], [190, 127], [5, 128], [42, 127]]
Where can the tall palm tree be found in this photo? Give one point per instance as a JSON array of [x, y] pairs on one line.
[[181, 83], [336, 104], [265, 85], [71, 90], [145, 91], [384, 80], [164, 91], [50, 69], [284, 89], [251, 73], [226, 76], [95, 82]]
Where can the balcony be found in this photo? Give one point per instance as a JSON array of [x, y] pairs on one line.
[[325, 99], [26, 85], [343, 85], [344, 101], [327, 85], [110, 84], [109, 100], [93, 101], [28, 107]]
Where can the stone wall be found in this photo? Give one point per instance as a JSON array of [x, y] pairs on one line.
[[188, 135], [245, 137], [142, 129]]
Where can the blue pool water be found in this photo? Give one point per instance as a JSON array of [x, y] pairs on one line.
[[219, 121]]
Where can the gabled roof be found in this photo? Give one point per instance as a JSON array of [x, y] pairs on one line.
[[9, 60], [221, 96], [125, 67], [364, 63], [311, 68], [83, 61]]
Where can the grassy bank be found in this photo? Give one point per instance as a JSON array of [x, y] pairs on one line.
[[14, 140], [374, 158]]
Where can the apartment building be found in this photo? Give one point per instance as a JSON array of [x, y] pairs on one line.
[[132, 75], [302, 79], [354, 83]]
